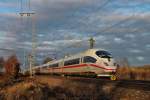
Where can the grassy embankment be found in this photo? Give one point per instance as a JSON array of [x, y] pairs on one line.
[[50, 88], [46, 88], [134, 73]]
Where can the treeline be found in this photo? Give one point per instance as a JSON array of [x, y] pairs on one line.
[[10, 66]]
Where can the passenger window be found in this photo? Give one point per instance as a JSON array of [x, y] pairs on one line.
[[72, 62], [88, 59], [44, 67], [54, 65]]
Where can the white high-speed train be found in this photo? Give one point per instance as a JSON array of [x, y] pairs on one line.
[[92, 61]]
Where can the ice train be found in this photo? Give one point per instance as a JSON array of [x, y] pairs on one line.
[[97, 62]]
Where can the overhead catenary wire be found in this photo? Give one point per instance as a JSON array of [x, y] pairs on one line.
[[23, 30], [100, 8], [29, 4], [107, 29], [30, 18], [112, 26], [21, 7], [78, 44], [104, 4], [117, 24]]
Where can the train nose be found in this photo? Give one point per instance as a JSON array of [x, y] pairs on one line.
[[110, 69]]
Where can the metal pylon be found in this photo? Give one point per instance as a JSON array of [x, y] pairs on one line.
[[92, 42], [32, 54]]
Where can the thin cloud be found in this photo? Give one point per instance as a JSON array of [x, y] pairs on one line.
[[62, 24]]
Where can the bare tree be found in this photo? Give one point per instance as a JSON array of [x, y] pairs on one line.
[[2, 61], [12, 66], [125, 62]]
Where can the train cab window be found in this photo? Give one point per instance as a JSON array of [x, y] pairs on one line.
[[103, 54], [72, 62], [88, 59], [54, 65]]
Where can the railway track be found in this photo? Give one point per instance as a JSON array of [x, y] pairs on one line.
[[132, 84]]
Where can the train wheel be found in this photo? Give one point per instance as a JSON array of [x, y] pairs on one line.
[[113, 77]]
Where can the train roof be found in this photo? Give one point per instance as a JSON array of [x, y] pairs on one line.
[[75, 55]]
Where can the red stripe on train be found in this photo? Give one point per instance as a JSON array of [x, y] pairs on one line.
[[94, 65], [84, 65]]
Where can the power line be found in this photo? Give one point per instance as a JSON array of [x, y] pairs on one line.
[[29, 14], [104, 4], [21, 6], [114, 25], [29, 5], [100, 8]]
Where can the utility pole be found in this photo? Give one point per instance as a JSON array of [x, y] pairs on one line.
[[92, 42], [32, 55], [30, 58], [29, 14]]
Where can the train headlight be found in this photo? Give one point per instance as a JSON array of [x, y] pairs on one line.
[[106, 64]]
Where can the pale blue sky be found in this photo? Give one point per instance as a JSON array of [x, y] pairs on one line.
[[64, 26]]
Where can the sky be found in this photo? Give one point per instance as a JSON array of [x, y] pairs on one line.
[[64, 26]]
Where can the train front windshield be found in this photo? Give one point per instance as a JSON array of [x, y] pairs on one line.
[[103, 54]]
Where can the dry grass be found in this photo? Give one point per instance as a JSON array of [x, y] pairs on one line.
[[135, 73], [52, 88]]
